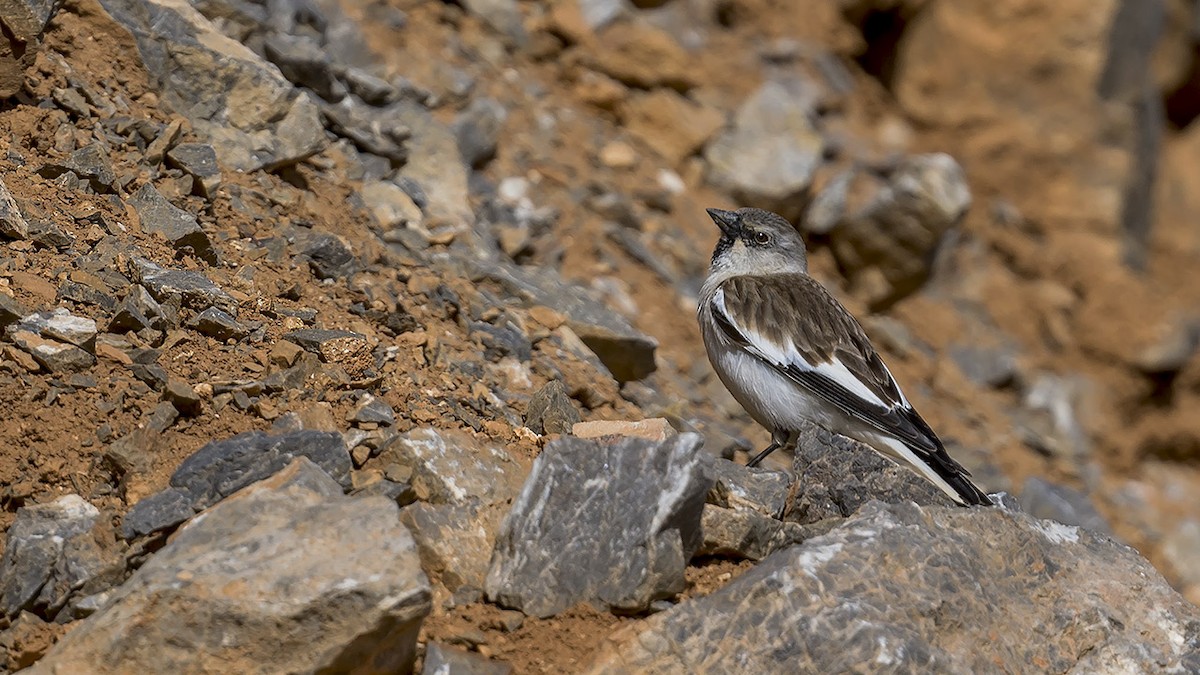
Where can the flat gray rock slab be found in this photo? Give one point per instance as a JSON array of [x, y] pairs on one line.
[[609, 522], [286, 576], [221, 468], [906, 589]]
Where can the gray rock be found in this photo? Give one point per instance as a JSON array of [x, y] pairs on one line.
[[436, 165], [287, 575], [625, 352], [178, 227], [1181, 550], [61, 325], [612, 523], [443, 660], [217, 324], [503, 340], [198, 160], [836, 476], [373, 410], [12, 223], [478, 130], [452, 467], [987, 366], [139, 310], [221, 468], [235, 100], [188, 289], [329, 256], [90, 164], [746, 533], [744, 487], [372, 90], [11, 311], [379, 131], [391, 205], [887, 246], [945, 590], [55, 356], [24, 22], [54, 554], [768, 156], [1049, 501], [302, 61], [455, 540], [312, 339], [551, 411], [184, 397]]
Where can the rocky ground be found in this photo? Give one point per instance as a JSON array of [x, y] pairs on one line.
[[324, 327]]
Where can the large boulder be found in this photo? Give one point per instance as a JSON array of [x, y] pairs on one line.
[[608, 522], [288, 575], [904, 588]]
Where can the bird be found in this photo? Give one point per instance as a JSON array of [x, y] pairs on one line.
[[791, 354]]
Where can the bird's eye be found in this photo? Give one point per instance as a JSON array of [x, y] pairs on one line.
[[762, 238]]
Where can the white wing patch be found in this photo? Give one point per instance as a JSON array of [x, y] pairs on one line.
[[786, 355]]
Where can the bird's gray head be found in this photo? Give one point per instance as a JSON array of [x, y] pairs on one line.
[[754, 241]]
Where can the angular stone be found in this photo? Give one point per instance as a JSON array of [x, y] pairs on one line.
[[198, 160], [312, 580], [217, 324], [948, 591], [390, 204], [178, 227], [443, 660], [747, 534], [12, 223], [455, 540], [608, 523], [895, 234], [11, 311], [236, 101], [313, 339], [655, 429], [192, 289], [452, 467], [221, 468], [627, 353], [54, 554], [90, 164], [436, 165], [744, 487], [550, 410], [836, 476], [302, 61], [183, 397], [477, 130], [63, 326], [329, 256], [57, 357], [768, 156], [373, 410], [378, 131], [139, 310]]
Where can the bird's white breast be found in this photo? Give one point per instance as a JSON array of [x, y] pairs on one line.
[[772, 399]]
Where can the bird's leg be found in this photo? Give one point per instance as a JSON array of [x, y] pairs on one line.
[[778, 440]]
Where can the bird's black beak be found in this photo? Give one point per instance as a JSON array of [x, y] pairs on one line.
[[729, 221]]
